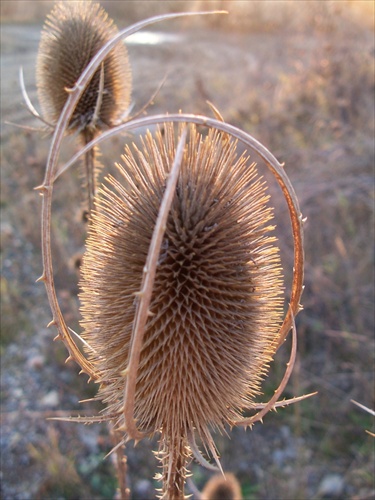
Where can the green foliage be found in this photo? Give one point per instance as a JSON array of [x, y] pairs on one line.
[[249, 491]]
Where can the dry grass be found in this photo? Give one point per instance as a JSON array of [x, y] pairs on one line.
[[308, 94], [259, 15]]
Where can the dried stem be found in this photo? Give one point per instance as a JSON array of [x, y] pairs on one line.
[[89, 172], [174, 456], [290, 365], [121, 466], [285, 402], [28, 102]]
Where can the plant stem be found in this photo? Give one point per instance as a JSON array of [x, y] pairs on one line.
[[121, 466], [89, 171]]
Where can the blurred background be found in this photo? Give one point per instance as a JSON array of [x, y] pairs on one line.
[[299, 76]]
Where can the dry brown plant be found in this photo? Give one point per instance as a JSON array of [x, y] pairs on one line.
[[216, 307], [73, 34], [181, 282], [222, 488]]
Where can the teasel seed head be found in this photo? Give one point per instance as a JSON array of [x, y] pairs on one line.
[[217, 300], [222, 488], [72, 35]]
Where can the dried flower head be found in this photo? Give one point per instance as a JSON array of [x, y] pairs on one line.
[[222, 488], [216, 305], [72, 35]]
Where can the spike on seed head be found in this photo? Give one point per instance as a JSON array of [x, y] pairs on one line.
[[217, 297], [73, 33]]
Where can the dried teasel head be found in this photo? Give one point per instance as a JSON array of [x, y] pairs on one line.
[[222, 488], [73, 34], [217, 300]]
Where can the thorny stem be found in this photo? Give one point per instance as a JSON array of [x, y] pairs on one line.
[[284, 402], [258, 416], [88, 135], [174, 455], [176, 476], [121, 466]]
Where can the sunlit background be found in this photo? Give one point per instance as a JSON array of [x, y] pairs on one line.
[[244, 14]]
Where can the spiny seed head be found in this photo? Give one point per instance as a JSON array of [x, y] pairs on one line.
[[222, 488], [216, 305], [72, 35]]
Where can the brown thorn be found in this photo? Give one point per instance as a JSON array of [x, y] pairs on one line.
[[121, 428], [42, 187], [215, 111], [115, 448], [72, 89]]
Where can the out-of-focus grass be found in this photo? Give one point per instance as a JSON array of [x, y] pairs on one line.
[[93, 477]]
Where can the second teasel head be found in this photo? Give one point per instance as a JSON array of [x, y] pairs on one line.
[[72, 35], [216, 306]]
